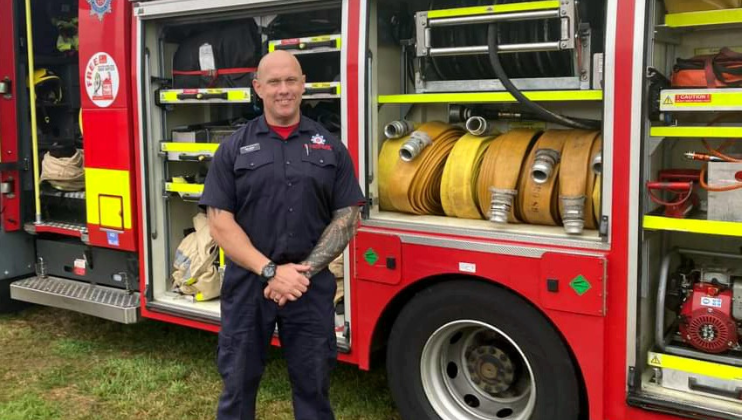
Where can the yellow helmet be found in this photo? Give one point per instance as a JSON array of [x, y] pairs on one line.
[[48, 86]]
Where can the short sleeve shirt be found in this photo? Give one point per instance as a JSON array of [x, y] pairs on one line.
[[282, 192]]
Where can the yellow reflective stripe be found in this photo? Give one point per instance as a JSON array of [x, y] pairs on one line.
[[718, 99], [322, 85], [233, 94], [715, 132], [710, 17], [698, 367], [498, 8], [189, 147], [221, 257], [709, 227], [182, 187], [107, 183], [551, 95]]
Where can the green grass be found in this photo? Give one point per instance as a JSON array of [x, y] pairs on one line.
[[61, 365]]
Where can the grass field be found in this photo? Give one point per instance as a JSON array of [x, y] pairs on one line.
[[61, 365]]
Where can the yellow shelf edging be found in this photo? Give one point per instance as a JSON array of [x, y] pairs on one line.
[[709, 227], [185, 188], [705, 18], [175, 147], [473, 97], [696, 132], [699, 367], [494, 9]]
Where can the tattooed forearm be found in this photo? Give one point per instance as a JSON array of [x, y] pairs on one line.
[[334, 239]]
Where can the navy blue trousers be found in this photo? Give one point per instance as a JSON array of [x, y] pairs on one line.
[[307, 334]]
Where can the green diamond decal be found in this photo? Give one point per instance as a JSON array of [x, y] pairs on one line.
[[371, 256], [580, 285]]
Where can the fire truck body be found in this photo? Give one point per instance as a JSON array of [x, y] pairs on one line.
[[620, 319]]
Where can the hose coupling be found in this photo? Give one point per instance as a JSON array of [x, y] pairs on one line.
[[418, 141], [479, 126], [501, 204], [597, 163], [573, 216], [397, 129], [546, 160]]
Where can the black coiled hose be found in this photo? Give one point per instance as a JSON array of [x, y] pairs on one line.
[[532, 106]]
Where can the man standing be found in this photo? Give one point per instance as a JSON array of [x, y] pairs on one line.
[[282, 201]]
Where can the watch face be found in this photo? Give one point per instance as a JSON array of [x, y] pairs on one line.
[[269, 271]]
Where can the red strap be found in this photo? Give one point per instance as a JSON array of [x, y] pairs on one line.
[[213, 73]]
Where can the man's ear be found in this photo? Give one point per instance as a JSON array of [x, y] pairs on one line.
[[256, 86], [303, 84]]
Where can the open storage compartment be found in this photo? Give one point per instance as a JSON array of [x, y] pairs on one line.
[[688, 353], [195, 92], [431, 79]]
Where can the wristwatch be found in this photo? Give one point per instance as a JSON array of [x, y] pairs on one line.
[[268, 272]]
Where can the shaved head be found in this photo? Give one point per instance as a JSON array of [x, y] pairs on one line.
[[280, 84], [278, 58]]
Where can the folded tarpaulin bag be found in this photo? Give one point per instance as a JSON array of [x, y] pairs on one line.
[[219, 58], [709, 71], [195, 273], [64, 173]]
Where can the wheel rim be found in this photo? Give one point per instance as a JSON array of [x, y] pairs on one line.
[[470, 369]]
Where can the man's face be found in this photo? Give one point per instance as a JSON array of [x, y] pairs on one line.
[[280, 84]]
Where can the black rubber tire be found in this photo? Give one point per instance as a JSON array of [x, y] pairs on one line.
[[557, 389]]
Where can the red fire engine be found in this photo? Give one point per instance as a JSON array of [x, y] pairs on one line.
[[550, 228]]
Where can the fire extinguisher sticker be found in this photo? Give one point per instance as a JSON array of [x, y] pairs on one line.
[[711, 302], [102, 79]]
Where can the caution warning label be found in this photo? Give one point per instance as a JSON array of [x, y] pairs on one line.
[[693, 98], [668, 101], [655, 360]]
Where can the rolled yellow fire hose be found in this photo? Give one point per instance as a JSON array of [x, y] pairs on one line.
[[501, 167], [575, 173], [592, 204], [414, 187], [459, 184], [538, 202]]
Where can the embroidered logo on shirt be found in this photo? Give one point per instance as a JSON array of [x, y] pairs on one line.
[[250, 148], [318, 142]]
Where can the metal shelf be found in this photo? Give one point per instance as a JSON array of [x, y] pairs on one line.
[[705, 18], [204, 96], [484, 97], [308, 45], [708, 227], [696, 132], [496, 9], [324, 90], [681, 100], [184, 190], [189, 152]]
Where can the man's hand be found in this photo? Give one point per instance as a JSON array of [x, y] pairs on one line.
[[289, 283]]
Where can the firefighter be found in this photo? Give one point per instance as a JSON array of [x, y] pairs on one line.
[[282, 201]]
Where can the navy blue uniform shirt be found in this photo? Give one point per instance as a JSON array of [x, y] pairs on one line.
[[282, 192]]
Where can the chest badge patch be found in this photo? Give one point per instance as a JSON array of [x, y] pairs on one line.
[[319, 142], [249, 148], [100, 8]]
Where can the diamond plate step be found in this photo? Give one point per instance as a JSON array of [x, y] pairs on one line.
[[60, 228], [101, 301]]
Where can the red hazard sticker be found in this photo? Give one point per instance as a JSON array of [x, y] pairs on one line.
[[695, 98]]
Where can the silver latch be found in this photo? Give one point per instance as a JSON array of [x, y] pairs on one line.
[[6, 187], [5, 86]]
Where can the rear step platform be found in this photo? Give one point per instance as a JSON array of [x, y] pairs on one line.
[[101, 301], [60, 228]]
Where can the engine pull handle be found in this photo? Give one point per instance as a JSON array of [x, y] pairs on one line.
[[727, 393]]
